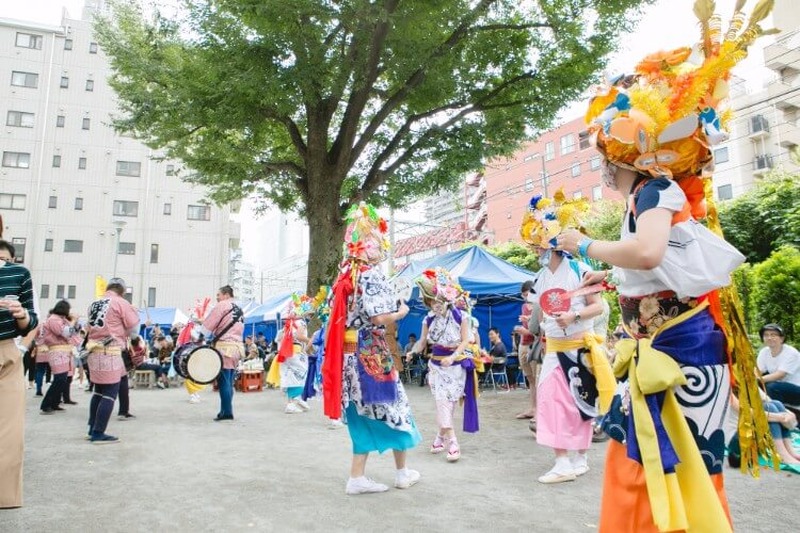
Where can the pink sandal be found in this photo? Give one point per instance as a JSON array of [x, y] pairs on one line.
[[453, 452], [438, 444]]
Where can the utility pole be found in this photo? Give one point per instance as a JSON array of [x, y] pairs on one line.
[[391, 241]]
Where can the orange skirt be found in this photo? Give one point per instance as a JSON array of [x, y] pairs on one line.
[[625, 505]]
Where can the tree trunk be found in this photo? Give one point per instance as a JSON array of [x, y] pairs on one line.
[[326, 235]]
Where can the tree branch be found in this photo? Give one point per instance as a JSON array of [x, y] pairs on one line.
[[416, 79], [496, 27]]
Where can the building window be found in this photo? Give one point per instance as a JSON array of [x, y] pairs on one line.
[[56, 161], [151, 297], [17, 159], [78, 204], [71, 290], [597, 193], [126, 209], [721, 155], [167, 209], [576, 169], [170, 170], [549, 151], [48, 245], [154, 253], [92, 48], [19, 119], [129, 168], [725, 192], [64, 82], [28, 40], [82, 163], [127, 248], [74, 247], [44, 292], [594, 163], [577, 194], [529, 183], [584, 140], [60, 119], [90, 85], [12, 202], [86, 124], [60, 292], [567, 144], [24, 79], [199, 212], [67, 44], [52, 202]]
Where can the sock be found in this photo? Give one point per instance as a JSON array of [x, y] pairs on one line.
[[579, 460], [563, 465]]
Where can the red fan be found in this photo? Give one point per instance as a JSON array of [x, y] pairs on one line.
[[554, 301]]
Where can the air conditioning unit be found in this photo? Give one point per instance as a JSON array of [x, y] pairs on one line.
[[762, 162]]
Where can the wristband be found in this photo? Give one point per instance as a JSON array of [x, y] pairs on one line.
[[583, 246]]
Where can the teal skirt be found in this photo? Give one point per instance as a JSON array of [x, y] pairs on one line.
[[294, 392], [369, 435]]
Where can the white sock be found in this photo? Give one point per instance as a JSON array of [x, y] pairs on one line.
[[403, 470], [579, 460], [563, 465]]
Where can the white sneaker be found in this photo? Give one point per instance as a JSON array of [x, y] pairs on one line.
[[194, 398], [363, 485], [556, 477], [406, 478], [335, 424], [292, 408], [303, 405]]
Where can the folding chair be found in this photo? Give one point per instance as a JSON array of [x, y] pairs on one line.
[[497, 374]]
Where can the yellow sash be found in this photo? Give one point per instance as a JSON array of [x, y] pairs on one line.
[[274, 374], [600, 367], [687, 496], [475, 359]]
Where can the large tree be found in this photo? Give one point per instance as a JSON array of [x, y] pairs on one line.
[[313, 105]]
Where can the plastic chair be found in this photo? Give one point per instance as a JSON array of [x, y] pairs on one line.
[[497, 374]]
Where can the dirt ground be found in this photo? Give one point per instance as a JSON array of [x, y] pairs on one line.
[[175, 469]]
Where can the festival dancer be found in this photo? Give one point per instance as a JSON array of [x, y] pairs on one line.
[[59, 332], [316, 352], [290, 367], [358, 375], [566, 392], [112, 321], [655, 131], [451, 371]]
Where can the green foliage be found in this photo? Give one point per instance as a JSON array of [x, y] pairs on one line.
[[604, 223], [776, 294], [765, 217], [313, 105], [517, 254], [744, 279], [613, 304]]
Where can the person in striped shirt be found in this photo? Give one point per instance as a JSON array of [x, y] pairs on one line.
[[17, 317]]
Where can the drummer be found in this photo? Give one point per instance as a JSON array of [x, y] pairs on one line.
[[566, 392], [226, 324]]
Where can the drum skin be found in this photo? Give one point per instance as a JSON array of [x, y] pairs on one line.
[[200, 363]]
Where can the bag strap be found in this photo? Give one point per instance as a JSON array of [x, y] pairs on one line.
[[226, 328]]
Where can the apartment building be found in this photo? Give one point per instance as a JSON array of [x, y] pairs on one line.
[[79, 200]]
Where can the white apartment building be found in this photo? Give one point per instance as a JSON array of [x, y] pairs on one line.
[[80, 201], [765, 130]]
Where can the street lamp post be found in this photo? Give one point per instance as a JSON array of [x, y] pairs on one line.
[[118, 226]]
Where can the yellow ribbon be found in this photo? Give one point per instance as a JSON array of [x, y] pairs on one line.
[[687, 496], [192, 387], [600, 367], [475, 359], [274, 374]]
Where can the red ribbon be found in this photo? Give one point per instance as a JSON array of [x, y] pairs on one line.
[[333, 365]]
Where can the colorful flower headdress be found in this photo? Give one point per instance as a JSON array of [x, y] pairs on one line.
[[364, 238], [545, 218], [664, 119], [438, 284], [300, 306], [322, 303]]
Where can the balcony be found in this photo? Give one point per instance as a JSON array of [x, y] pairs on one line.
[[758, 127], [762, 164], [785, 96], [785, 53], [787, 135], [477, 222], [475, 179], [477, 197]]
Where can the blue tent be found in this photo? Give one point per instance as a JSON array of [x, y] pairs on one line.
[[164, 317], [494, 285], [264, 318]]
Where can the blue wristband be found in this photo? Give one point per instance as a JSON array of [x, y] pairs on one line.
[[583, 246]]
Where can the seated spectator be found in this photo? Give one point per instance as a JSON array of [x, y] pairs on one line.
[[779, 365], [141, 361], [781, 423], [497, 350], [250, 349], [162, 349]]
